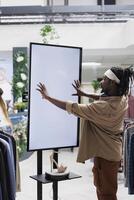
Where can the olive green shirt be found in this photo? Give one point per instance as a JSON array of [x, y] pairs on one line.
[[102, 125]]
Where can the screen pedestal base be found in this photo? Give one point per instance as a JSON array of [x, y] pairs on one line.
[[43, 180]]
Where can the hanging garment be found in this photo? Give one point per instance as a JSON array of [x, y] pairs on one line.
[[127, 134], [130, 111], [1, 192], [3, 183], [6, 138], [13, 144], [128, 152], [131, 166], [10, 178], [16, 159], [18, 178]]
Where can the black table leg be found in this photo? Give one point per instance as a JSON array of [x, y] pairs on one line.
[[55, 190]]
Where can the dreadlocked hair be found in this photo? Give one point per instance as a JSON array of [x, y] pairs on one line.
[[126, 77]]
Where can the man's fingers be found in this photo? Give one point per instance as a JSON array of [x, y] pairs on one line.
[[39, 90], [77, 83], [42, 87], [74, 86]]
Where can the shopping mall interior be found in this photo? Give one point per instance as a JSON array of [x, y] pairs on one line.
[[103, 30]]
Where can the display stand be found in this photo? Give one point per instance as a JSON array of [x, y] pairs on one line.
[[39, 172], [41, 178]]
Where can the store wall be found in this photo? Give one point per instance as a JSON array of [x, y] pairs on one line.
[[89, 36], [83, 2], [125, 2], [91, 73], [6, 73], [92, 36], [128, 32], [6, 62], [58, 3], [44, 2], [21, 3]]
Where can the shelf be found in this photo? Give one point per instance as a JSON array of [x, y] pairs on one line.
[[42, 179]]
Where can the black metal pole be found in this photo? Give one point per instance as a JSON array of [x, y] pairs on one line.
[[55, 190], [39, 171], [55, 183]]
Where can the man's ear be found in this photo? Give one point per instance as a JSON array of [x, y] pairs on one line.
[[112, 82]]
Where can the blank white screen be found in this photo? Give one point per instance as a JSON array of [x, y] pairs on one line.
[[57, 67]]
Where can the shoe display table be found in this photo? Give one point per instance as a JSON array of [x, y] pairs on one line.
[[43, 180]]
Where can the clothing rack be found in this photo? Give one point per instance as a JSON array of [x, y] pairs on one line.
[[7, 166], [128, 154]]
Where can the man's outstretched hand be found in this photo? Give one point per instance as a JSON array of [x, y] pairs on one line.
[[76, 86], [43, 91]]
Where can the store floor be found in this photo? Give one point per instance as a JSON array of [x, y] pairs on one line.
[[75, 189]]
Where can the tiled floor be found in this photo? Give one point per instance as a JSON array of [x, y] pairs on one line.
[[77, 189]]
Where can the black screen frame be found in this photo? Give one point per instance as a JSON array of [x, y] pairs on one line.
[[29, 95]]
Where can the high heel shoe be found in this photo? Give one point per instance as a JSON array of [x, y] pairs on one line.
[[61, 168]]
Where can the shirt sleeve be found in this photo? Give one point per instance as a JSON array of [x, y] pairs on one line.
[[69, 106], [80, 110]]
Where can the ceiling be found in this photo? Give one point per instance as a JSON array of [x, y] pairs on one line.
[[65, 14]]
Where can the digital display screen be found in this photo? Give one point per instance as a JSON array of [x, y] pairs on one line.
[[57, 67]]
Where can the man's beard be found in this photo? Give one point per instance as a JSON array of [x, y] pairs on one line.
[[103, 92]]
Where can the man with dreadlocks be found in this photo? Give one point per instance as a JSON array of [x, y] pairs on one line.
[[102, 127]]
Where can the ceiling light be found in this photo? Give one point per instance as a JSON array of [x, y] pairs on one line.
[[91, 64]]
